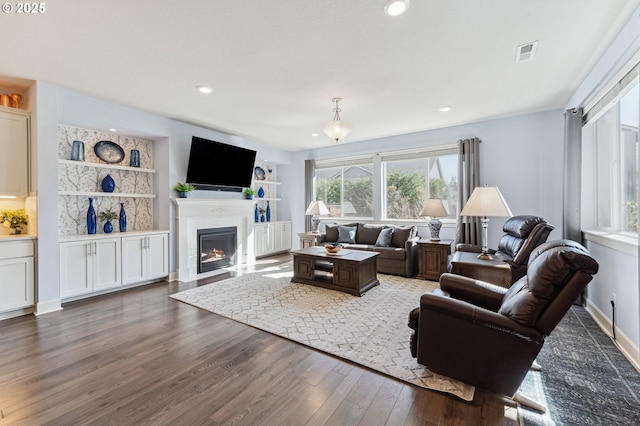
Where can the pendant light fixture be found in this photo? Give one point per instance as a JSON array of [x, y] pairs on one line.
[[337, 129]]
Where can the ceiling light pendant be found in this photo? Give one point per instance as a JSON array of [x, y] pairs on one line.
[[396, 7], [337, 129]]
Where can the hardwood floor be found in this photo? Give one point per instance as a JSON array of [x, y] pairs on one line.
[[139, 357]]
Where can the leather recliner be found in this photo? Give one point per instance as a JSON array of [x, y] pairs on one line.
[[489, 336], [522, 234]]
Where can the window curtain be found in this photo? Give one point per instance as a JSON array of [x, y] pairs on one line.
[[469, 228], [309, 173], [572, 169]]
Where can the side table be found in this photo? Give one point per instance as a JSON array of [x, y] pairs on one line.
[[495, 271], [432, 258], [308, 239]]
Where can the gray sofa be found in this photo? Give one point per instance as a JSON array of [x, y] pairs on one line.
[[396, 244]]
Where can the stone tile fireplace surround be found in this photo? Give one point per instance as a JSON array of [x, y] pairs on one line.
[[194, 214]]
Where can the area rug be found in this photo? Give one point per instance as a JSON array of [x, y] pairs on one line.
[[585, 379], [370, 330]]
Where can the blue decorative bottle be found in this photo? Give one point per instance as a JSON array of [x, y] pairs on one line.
[[91, 218], [108, 227], [122, 220], [108, 185], [268, 212], [256, 214], [260, 192]]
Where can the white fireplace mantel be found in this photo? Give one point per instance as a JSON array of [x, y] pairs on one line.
[[194, 214]]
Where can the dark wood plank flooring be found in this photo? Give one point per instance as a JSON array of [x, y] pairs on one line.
[[137, 357]]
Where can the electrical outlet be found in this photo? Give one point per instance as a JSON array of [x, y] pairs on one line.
[[613, 297]]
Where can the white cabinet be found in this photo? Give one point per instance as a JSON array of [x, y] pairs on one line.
[[271, 237], [89, 265], [14, 145], [144, 257], [92, 264], [16, 275]]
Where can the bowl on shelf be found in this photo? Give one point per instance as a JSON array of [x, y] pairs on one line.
[[333, 248]]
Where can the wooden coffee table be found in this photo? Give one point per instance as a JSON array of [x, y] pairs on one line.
[[350, 271]]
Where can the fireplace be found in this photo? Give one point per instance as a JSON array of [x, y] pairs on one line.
[[217, 248]]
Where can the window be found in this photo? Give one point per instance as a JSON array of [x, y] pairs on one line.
[[392, 185], [347, 190], [612, 138], [410, 182]]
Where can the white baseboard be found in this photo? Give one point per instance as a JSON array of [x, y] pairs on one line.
[[626, 346], [16, 313], [173, 276], [48, 306]]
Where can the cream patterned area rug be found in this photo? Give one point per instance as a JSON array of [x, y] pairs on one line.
[[370, 330]]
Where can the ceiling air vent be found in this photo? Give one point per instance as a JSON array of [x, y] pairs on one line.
[[525, 52]]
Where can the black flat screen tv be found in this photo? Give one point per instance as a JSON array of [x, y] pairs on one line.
[[218, 166]]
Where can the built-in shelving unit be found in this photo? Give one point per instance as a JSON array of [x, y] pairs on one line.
[[106, 166]]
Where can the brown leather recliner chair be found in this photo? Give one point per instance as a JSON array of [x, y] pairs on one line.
[[489, 336], [522, 234]]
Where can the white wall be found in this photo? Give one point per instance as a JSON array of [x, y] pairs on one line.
[[522, 155]]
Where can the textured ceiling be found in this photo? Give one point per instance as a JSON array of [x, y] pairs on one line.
[[275, 65]]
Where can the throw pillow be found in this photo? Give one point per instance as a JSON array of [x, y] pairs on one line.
[[331, 233], [384, 239], [347, 234], [368, 234], [401, 234]]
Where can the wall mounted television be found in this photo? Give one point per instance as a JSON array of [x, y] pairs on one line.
[[218, 166]]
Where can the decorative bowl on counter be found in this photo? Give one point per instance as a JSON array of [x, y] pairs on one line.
[[333, 248]]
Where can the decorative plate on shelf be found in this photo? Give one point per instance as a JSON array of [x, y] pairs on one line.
[[259, 172], [109, 152]]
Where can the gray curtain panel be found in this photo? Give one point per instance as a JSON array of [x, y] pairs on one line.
[[309, 173], [469, 229], [572, 171]]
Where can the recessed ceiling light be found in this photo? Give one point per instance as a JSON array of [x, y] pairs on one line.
[[315, 135], [396, 7], [113, 130], [205, 89], [444, 109]]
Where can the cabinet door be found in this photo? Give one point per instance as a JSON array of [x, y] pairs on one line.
[[76, 268], [16, 284], [157, 259], [133, 253], [286, 236], [261, 239], [106, 264], [14, 139]]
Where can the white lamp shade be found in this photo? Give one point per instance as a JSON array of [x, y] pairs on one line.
[[337, 130], [317, 208], [486, 201], [433, 208]]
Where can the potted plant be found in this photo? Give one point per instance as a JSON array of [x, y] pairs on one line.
[[249, 193], [14, 219], [183, 189], [107, 216]]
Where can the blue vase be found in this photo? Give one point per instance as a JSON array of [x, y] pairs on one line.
[[108, 227], [91, 218], [108, 185], [260, 192], [262, 218], [134, 160], [122, 220], [256, 214], [268, 212]]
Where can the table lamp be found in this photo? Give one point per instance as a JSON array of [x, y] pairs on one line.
[[316, 209], [434, 208], [486, 201]]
